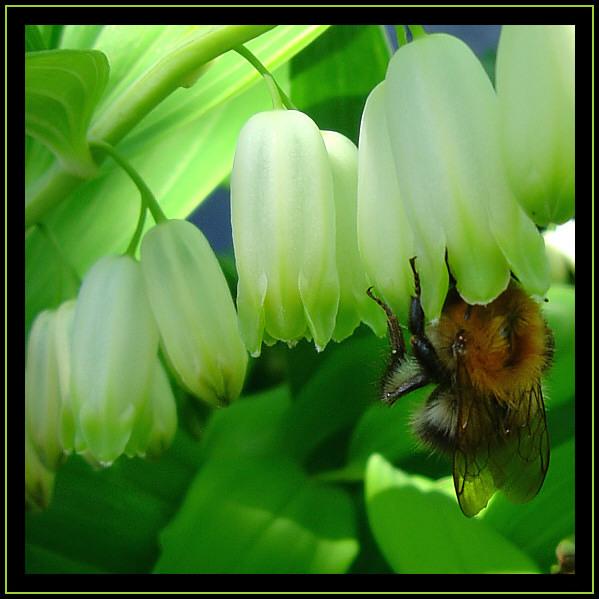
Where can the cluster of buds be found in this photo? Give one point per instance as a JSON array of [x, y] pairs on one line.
[[94, 383]]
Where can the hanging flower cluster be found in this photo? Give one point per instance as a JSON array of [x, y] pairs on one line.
[[93, 381], [433, 182]]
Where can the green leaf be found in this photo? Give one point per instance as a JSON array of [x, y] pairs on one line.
[[62, 89], [107, 521], [538, 526], [251, 509], [51, 35], [249, 428], [331, 79], [333, 398], [33, 39], [386, 430], [559, 389], [259, 517], [420, 530]]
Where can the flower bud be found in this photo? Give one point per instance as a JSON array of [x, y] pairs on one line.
[[535, 86], [384, 234], [283, 221], [194, 310], [443, 121], [42, 392], [63, 327], [114, 345], [354, 304]]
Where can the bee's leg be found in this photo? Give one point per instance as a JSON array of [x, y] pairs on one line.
[[390, 392], [417, 381], [396, 340], [422, 347]]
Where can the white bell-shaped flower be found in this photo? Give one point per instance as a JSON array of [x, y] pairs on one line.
[[283, 221], [194, 310], [384, 233], [156, 424], [114, 345], [354, 304], [535, 72], [43, 400], [39, 480]]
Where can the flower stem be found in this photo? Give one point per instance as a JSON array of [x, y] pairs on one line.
[[148, 201], [402, 38], [279, 97], [417, 31]]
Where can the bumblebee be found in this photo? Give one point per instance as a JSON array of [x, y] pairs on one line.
[[486, 410]]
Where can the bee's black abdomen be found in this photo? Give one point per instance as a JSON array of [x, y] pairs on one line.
[[435, 422]]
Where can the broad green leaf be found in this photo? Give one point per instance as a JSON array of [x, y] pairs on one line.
[[259, 516], [538, 526], [62, 88], [420, 529], [33, 39], [386, 430], [51, 35], [107, 521], [249, 428], [333, 398], [334, 61], [559, 390], [251, 509]]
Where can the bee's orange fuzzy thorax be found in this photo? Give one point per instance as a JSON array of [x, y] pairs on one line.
[[504, 347]]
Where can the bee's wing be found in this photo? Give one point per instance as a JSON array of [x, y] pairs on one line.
[[472, 475], [499, 448], [527, 462]]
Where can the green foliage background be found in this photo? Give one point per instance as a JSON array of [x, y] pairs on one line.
[[305, 473]]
